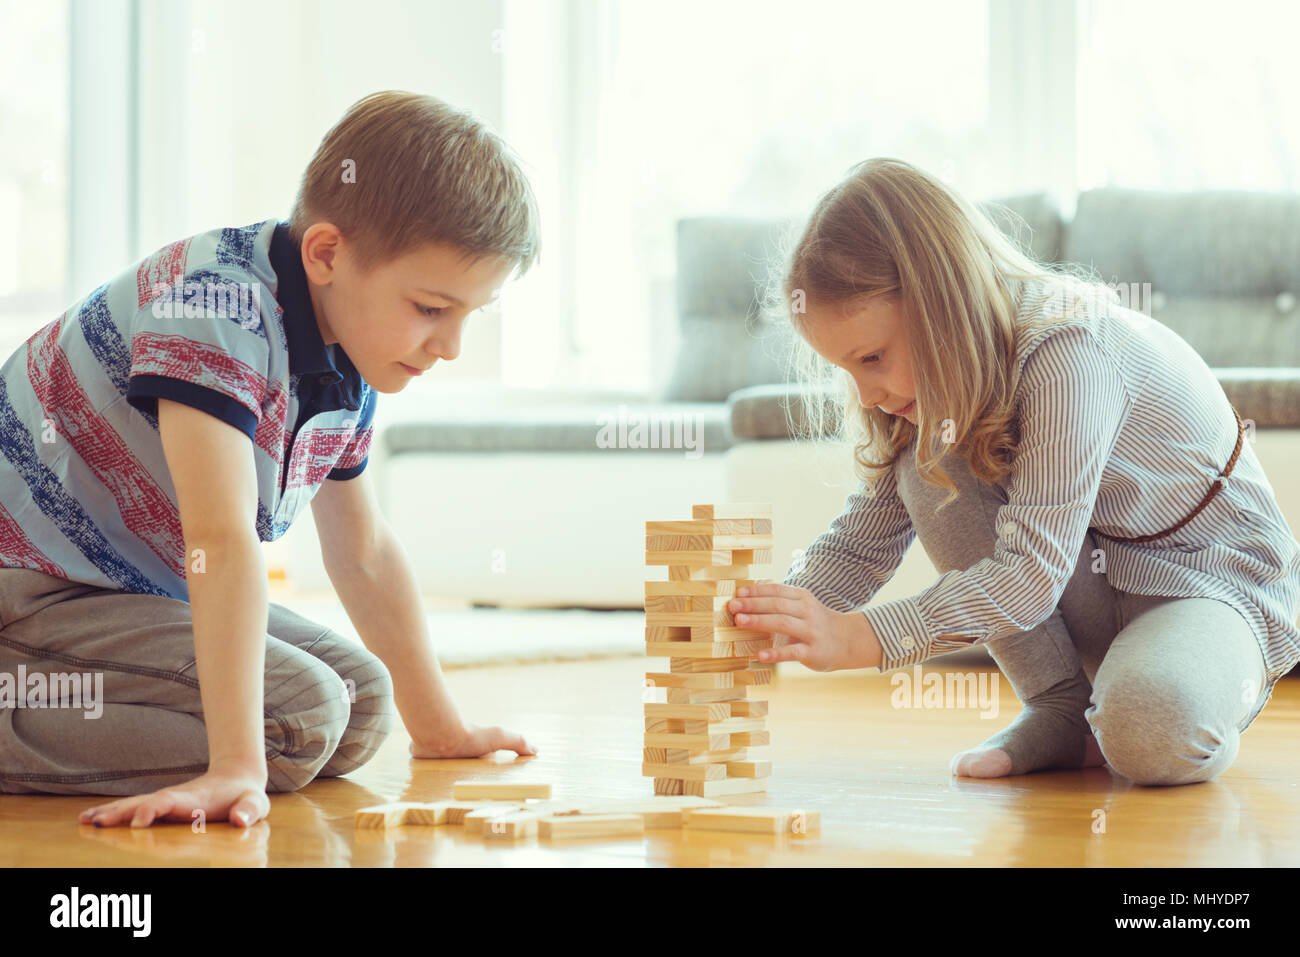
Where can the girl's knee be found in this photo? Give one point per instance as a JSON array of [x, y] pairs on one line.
[[1155, 738]]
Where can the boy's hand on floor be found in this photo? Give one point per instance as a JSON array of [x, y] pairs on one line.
[[238, 798], [474, 742]]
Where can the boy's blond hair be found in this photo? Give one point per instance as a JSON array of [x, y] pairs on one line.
[[403, 169], [891, 228]]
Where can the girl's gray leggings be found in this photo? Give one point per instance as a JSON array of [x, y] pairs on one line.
[[1174, 680], [328, 701]]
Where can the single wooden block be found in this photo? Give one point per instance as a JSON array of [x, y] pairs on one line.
[[692, 588], [750, 739], [406, 814], [750, 510], [499, 790], [701, 541], [591, 825], [703, 526], [456, 810], [697, 742], [662, 633], [671, 786], [475, 819], [752, 709], [758, 673], [715, 632], [385, 815], [690, 649], [683, 756], [703, 558], [511, 827], [723, 725], [750, 646], [729, 786], [683, 661], [708, 696], [754, 820], [657, 604], [743, 542], [427, 815], [717, 711], [720, 680], [690, 772], [691, 619], [748, 769], [762, 526], [665, 725], [656, 812], [654, 755], [688, 571], [751, 556]]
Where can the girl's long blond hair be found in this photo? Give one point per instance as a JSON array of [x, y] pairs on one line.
[[890, 228]]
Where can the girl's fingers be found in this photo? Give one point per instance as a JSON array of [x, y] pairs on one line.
[[770, 590], [786, 624], [747, 605], [794, 651]]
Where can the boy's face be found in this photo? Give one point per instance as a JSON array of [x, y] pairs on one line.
[[869, 341], [402, 316]]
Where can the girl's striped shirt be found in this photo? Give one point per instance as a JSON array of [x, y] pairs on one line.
[[1123, 428]]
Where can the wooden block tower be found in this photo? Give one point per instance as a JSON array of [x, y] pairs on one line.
[[708, 737]]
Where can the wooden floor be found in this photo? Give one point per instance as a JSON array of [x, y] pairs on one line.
[[879, 776]]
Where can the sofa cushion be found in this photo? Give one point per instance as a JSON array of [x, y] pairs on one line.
[[1040, 214], [726, 343], [690, 428], [1239, 332], [1205, 243], [1268, 397], [760, 412]]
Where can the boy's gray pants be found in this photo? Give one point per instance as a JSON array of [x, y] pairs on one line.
[[1171, 677], [328, 701]]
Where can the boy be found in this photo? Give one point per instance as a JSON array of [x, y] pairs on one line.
[[190, 409]]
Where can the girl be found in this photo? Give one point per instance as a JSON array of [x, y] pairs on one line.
[[1106, 531]]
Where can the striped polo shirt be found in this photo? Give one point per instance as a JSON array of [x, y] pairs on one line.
[[221, 321], [1124, 429]]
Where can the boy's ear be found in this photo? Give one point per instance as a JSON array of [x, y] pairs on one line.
[[320, 245]]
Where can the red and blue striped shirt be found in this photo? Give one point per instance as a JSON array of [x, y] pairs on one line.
[[221, 321]]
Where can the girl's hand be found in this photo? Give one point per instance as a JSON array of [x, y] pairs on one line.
[[803, 629], [237, 797], [472, 741]]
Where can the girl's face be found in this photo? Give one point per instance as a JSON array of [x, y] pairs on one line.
[[869, 341]]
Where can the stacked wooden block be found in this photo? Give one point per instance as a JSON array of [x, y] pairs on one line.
[[702, 740]]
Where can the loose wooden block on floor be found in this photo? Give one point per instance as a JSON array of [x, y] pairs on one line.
[[591, 825], [511, 827], [468, 790], [758, 820], [476, 819]]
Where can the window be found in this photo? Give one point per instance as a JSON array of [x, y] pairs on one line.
[[1189, 95], [33, 167], [750, 108]]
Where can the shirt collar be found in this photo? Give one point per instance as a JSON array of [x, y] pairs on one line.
[[309, 358]]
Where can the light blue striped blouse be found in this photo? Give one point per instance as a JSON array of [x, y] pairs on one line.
[[1123, 428]]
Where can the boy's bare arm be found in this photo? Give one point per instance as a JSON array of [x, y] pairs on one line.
[[372, 575], [212, 470]]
